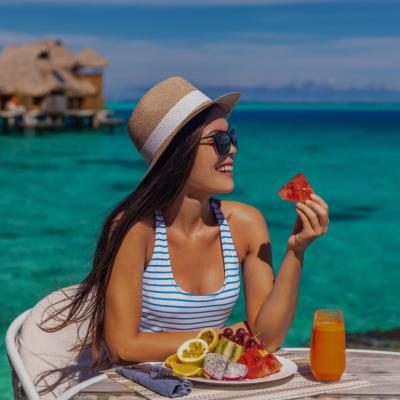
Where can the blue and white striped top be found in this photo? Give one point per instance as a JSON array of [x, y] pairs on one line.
[[167, 307]]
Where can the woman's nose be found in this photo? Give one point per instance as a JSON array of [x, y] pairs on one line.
[[233, 149]]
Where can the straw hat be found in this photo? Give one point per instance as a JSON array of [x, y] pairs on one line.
[[164, 109]]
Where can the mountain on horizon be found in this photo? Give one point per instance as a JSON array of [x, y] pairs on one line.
[[294, 91]]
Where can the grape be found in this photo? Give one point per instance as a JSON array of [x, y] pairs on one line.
[[251, 343], [234, 339], [237, 339], [228, 332], [240, 332], [246, 337], [261, 344]]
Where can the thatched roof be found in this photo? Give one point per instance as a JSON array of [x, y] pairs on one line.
[[6, 82], [51, 50], [91, 58], [33, 81], [24, 79], [36, 69], [74, 86]]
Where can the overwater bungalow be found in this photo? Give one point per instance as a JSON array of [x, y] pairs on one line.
[[44, 77]]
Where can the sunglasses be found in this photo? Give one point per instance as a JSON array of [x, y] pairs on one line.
[[223, 140]]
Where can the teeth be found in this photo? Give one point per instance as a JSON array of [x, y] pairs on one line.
[[226, 168]]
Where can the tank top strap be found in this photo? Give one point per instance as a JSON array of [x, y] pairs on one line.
[[226, 236], [219, 214], [228, 247], [160, 227]]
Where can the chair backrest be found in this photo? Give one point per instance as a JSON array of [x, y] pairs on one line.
[[22, 383], [47, 356]]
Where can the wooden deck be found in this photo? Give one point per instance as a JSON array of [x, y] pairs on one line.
[[37, 122]]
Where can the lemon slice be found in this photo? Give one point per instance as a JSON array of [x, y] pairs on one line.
[[186, 369], [192, 351], [210, 336], [173, 358]]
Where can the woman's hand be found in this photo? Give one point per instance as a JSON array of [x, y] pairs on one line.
[[311, 223]]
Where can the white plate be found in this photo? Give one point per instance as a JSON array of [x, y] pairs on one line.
[[288, 368]]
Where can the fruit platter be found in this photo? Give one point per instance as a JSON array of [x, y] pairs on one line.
[[230, 358]]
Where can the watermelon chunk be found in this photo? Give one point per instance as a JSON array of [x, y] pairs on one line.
[[297, 189], [258, 370], [259, 366], [272, 363]]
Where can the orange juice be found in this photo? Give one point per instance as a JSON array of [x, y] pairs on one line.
[[328, 345]]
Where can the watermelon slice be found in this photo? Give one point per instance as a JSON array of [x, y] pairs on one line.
[[297, 189], [272, 363], [259, 366]]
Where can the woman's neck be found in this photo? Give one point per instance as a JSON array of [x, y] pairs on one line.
[[189, 215]]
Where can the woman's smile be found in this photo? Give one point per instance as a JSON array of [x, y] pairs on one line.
[[226, 169]]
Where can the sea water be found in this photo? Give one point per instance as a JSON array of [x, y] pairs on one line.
[[57, 188]]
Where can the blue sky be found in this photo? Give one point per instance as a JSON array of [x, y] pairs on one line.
[[222, 43]]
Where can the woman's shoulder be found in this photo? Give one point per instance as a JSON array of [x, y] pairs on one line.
[[243, 219], [239, 212], [141, 228]]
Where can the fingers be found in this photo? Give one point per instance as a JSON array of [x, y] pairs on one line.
[[319, 200], [304, 219], [307, 232], [321, 212], [312, 217]]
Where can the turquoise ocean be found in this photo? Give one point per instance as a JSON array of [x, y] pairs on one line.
[[57, 188]]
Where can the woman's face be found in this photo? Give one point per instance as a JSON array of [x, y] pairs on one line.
[[205, 178]]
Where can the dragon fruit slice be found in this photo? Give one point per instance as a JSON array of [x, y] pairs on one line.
[[215, 364], [235, 371]]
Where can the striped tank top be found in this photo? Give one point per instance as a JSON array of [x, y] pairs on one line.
[[167, 307]]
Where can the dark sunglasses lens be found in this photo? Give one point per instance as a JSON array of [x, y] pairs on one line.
[[223, 143], [234, 137]]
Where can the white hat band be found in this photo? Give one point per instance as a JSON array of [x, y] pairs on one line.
[[182, 109]]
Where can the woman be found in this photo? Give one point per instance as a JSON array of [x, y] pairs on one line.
[[168, 258]]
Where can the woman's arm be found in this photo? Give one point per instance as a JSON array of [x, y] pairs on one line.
[[277, 312], [270, 304], [124, 304]]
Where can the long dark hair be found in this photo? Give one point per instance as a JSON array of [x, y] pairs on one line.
[[159, 188]]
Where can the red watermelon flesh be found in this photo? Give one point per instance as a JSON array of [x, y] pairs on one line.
[[297, 189], [258, 370], [250, 357], [273, 363], [259, 366]]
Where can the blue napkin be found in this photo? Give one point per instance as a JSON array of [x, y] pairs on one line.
[[170, 386]]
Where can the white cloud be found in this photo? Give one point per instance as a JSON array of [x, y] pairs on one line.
[[70, 40], [272, 59], [9, 38], [347, 62]]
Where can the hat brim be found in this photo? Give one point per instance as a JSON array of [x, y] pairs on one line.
[[227, 102]]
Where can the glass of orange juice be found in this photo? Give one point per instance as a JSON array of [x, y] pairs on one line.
[[328, 345]]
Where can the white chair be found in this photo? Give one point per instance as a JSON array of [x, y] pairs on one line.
[[20, 376], [42, 363]]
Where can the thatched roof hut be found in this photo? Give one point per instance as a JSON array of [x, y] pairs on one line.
[[7, 83], [39, 68], [91, 58], [26, 80], [51, 50], [74, 86]]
